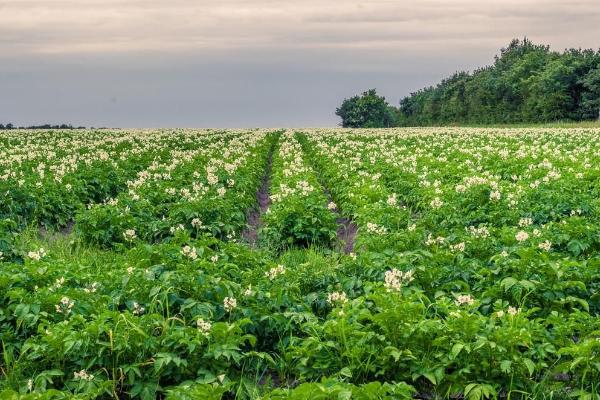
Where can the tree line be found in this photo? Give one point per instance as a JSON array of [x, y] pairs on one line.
[[10, 126], [527, 83]]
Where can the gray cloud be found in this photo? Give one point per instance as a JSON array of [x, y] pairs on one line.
[[250, 63]]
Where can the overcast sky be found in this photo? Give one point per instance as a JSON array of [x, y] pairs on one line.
[[246, 63]]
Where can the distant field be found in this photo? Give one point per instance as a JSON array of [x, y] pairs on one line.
[[406, 263]]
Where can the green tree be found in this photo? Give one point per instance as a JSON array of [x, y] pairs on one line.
[[367, 111], [526, 83], [590, 102]]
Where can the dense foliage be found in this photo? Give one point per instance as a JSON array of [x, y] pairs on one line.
[[527, 83], [367, 111], [474, 269]]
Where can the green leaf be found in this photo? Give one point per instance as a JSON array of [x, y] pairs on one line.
[[506, 366], [529, 365], [456, 349]]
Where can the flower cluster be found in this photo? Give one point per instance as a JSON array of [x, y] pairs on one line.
[[337, 298], [464, 299], [229, 304], [203, 326], [64, 306], [137, 308], [130, 235], [275, 272], [189, 252], [37, 255], [83, 375], [396, 279]]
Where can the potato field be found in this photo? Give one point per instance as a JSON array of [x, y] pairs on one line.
[[429, 263]]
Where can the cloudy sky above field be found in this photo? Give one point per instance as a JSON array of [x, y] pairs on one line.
[[234, 63]]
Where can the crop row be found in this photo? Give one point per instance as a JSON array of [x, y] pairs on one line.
[[46, 179], [299, 214], [205, 190]]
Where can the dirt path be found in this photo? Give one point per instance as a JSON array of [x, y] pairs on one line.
[[263, 201], [347, 229], [346, 233], [53, 235]]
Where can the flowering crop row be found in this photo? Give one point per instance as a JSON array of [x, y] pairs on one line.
[[299, 215], [206, 189], [359, 191], [47, 178]]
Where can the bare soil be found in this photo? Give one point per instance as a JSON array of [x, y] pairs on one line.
[[346, 234], [263, 201], [53, 235], [347, 229]]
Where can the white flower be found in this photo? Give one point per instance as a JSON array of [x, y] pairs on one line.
[[479, 232], [57, 284], [392, 200], [189, 252], [436, 203], [212, 179], [130, 270], [65, 306], [524, 222], [495, 195], [37, 255], [331, 206], [137, 308], [464, 299], [437, 240], [229, 303], [513, 311], [337, 298], [275, 271], [83, 375], [376, 229], [130, 235], [460, 247], [203, 326], [196, 223], [214, 258], [545, 245], [395, 279], [92, 288], [522, 236], [176, 228]]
